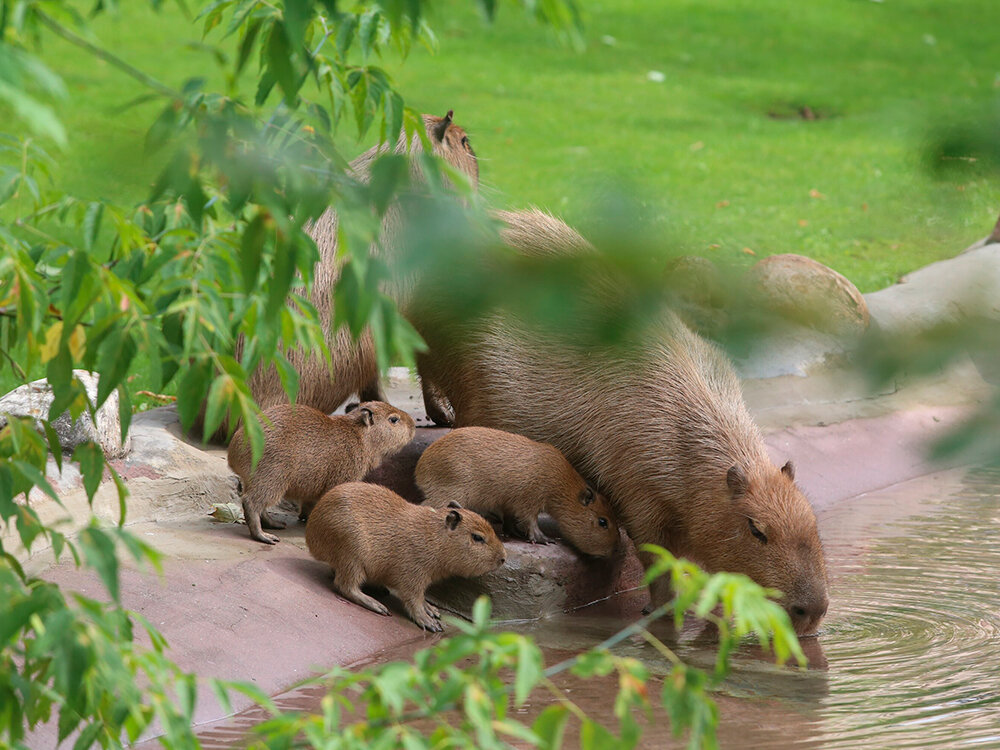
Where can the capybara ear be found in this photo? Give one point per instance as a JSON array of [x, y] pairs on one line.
[[452, 519], [454, 504], [441, 128], [587, 496], [789, 470], [737, 481], [365, 416], [351, 407]]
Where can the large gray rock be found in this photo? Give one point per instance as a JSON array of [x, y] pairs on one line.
[[804, 291], [34, 399], [967, 286]]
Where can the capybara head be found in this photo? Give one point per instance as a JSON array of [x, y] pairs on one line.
[[387, 430], [473, 545], [586, 521], [451, 143], [762, 525]]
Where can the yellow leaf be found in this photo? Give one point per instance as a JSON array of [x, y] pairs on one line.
[[51, 346], [78, 343]]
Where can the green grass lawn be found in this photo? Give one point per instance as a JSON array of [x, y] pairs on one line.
[[715, 146]]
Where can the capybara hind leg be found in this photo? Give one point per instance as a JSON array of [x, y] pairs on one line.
[[252, 517], [372, 391], [435, 404], [268, 521], [305, 509], [347, 581]]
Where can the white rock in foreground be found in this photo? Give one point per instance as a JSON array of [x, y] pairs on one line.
[[35, 398]]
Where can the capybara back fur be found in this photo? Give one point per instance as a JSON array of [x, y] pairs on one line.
[[369, 534], [659, 426], [307, 453], [513, 478]]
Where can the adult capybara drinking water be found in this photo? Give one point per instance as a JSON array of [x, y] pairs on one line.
[[307, 453], [658, 423], [369, 534], [501, 474]]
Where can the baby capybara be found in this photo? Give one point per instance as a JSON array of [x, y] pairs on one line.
[[369, 534], [307, 453], [513, 478]]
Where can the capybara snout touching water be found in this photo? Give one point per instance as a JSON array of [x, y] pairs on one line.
[[369, 534], [307, 453]]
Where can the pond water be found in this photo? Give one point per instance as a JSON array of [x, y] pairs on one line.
[[909, 655]]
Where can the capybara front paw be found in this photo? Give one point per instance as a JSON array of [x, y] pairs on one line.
[[266, 538], [432, 610]]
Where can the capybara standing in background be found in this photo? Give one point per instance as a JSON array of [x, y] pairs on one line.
[[354, 367], [369, 534], [501, 474], [307, 453], [657, 423]]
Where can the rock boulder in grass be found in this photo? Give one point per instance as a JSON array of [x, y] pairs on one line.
[[805, 291], [34, 399]]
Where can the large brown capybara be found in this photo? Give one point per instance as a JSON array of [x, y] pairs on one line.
[[307, 453], [369, 534], [659, 425], [509, 476]]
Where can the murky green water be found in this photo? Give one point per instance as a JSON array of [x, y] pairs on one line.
[[909, 656]]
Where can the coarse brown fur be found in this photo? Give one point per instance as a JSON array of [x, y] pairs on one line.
[[369, 534], [352, 368], [657, 424], [307, 453], [514, 478]]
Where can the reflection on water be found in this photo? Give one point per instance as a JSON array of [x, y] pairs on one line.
[[909, 655]]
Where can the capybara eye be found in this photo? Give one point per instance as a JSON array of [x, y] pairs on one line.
[[394, 419], [602, 522], [465, 141], [756, 532], [478, 538]]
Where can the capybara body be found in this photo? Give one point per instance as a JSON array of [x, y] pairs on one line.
[[352, 368], [514, 478], [369, 534], [658, 423], [307, 453]]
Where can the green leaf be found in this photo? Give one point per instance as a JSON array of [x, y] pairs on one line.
[[99, 551], [55, 447], [528, 671], [124, 410], [367, 31], [36, 478], [251, 249], [91, 460], [219, 397], [298, 13], [488, 9], [279, 58], [92, 224], [116, 354], [247, 43], [162, 128], [388, 174], [191, 391], [550, 726]]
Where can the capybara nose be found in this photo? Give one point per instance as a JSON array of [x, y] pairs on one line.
[[503, 560], [806, 616]]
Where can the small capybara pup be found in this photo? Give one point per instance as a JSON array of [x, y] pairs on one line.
[[307, 453], [658, 424], [509, 476], [369, 534]]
